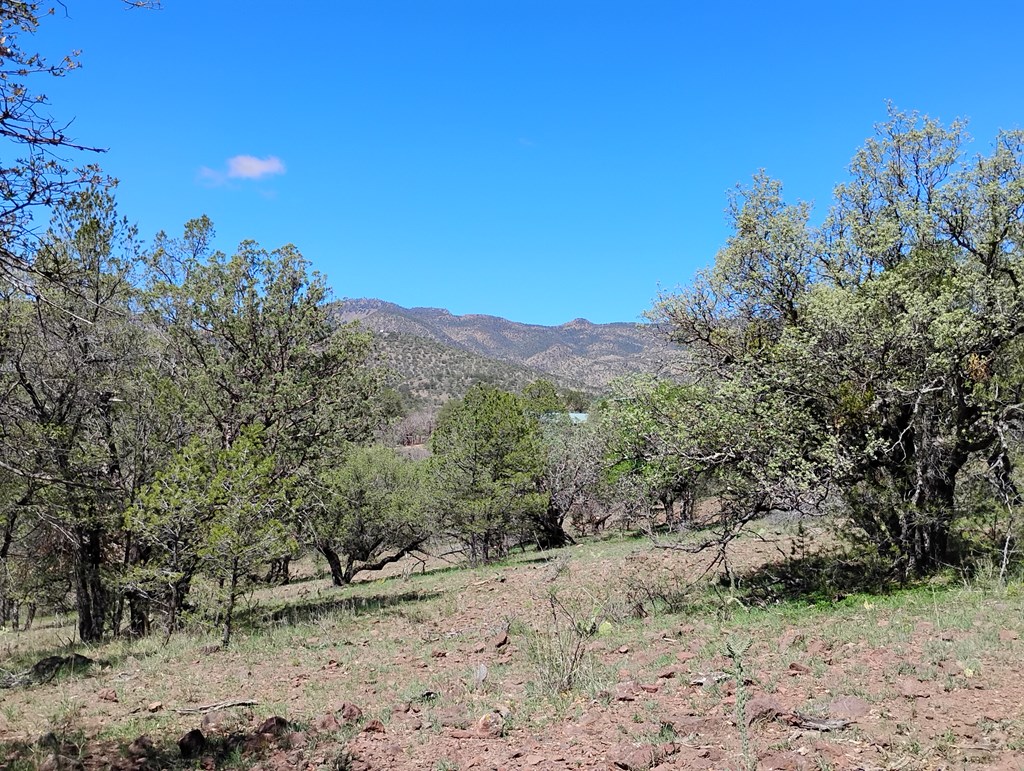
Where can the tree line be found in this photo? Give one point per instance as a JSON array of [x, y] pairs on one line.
[[173, 415], [176, 412]]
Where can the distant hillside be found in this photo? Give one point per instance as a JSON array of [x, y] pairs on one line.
[[577, 353], [430, 373]]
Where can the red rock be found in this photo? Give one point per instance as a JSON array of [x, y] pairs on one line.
[[798, 669], [155, 706], [668, 674], [350, 713], [633, 758], [763, 709], [327, 722], [275, 726], [107, 694], [374, 727], [1008, 635], [141, 747], [500, 641], [626, 691]]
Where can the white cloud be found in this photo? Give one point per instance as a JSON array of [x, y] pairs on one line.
[[242, 167], [251, 167]]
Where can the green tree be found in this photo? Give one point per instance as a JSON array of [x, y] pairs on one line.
[[251, 506], [212, 511], [367, 512], [170, 520], [541, 397], [486, 466], [255, 346], [572, 476], [74, 407], [881, 350]]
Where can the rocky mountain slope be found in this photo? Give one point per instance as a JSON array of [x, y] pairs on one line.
[[578, 353]]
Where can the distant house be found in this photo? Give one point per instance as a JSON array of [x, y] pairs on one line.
[[574, 417]]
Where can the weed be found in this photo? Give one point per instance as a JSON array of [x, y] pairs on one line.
[[559, 652], [736, 652]]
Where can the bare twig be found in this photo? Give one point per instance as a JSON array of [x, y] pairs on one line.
[[218, 706]]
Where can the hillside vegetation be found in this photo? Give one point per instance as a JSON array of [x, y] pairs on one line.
[[577, 353]]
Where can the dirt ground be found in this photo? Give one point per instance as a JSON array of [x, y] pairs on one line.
[[599, 656]]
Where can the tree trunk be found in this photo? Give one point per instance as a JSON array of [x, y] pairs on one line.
[[90, 594], [924, 537], [138, 615], [334, 562], [230, 610], [550, 532]]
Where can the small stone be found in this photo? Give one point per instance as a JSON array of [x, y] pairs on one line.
[[328, 723], [374, 727], [624, 649], [192, 744], [1008, 635], [57, 762], [297, 740], [107, 694], [668, 674], [633, 758], [626, 691], [155, 706], [275, 726], [500, 641], [141, 747], [797, 668], [350, 713], [763, 709]]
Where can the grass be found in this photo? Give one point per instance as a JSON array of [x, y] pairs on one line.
[[303, 647]]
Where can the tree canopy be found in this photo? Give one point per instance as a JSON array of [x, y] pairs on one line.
[[875, 357]]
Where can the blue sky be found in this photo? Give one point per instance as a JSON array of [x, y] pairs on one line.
[[541, 160]]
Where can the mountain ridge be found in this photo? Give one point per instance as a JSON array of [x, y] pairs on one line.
[[580, 352]]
